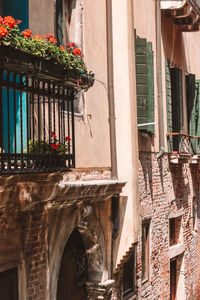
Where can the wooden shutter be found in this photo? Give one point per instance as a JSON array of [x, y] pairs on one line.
[[18, 9], [177, 104], [141, 81], [197, 97], [174, 97], [150, 86], [169, 104], [59, 22], [192, 110], [144, 83], [177, 99]]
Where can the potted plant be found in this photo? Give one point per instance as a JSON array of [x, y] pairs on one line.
[[48, 154]]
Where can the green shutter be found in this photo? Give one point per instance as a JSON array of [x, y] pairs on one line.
[[169, 104], [192, 110], [197, 97], [177, 99], [144, 83], [174, 97], [59, 22], [150, 86], [141, 81]]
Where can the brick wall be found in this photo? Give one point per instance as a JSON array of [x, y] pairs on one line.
[[163, 190], [166, 190]]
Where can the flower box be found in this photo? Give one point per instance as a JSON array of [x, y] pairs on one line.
[[18, 61]]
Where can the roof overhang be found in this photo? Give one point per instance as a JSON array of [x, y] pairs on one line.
[[185, 13]]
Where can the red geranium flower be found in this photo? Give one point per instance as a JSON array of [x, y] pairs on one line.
[[52, 40], [49, 37], [77, 51], [27, 33], [80, 80], [70, 45], [18, 21], [3, 31], [62, 48], [1, 20], [67, 138], [53, 134], [39, 37], [9, 21]]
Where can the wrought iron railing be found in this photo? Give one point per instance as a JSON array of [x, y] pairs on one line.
[[36, 113], [179, 143]]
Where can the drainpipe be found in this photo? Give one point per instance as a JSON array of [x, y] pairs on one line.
[[159, 80], [111, 102]]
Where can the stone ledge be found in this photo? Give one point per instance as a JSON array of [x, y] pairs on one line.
[[67, 193], [176, 250]]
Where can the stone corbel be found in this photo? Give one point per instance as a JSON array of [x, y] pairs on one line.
[[100, 291], [175, 4]]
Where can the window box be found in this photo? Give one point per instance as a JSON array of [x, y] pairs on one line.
[[18, 61]]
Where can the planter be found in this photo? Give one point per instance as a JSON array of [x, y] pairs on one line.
[[49, 162], [19, 61]]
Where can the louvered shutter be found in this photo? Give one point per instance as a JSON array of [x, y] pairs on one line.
[[141, 81], [59, 22], [197, 97], [169, 105], [192, 110], [144, 83], [177, 104], [150, 86]]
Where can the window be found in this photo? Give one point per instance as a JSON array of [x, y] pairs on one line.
[[194, 213], [174, 104], [144, 84], [193, 110], [175, 232], [9, 284], [129, 275], [173, 280], [63, 20], [16, 9], [172, 231], [145, 250]]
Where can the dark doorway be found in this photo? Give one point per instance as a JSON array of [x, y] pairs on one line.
[[73, 270], [9, 285], [173, 280]]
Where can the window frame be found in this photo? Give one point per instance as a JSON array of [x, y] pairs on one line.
[[145, 255]]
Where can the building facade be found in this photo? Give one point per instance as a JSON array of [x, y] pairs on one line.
[[118, 217]]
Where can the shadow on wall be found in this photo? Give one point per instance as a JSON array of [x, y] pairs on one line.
[[147, 175], [173, 44], [180, 185], [118, 217]]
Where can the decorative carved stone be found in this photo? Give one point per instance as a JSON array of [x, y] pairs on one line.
[[100, 291]]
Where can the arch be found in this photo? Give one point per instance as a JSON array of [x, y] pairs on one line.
[[73, 272], [93, 250]]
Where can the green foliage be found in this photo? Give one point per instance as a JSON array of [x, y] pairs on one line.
[[42, 47]]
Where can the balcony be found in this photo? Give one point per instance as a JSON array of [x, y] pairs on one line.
[[185, 13], [36, 113], [183, 148]]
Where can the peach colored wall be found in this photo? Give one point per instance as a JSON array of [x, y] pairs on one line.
[[144, 23], [92, 142], [92, 128], [41, 16]]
